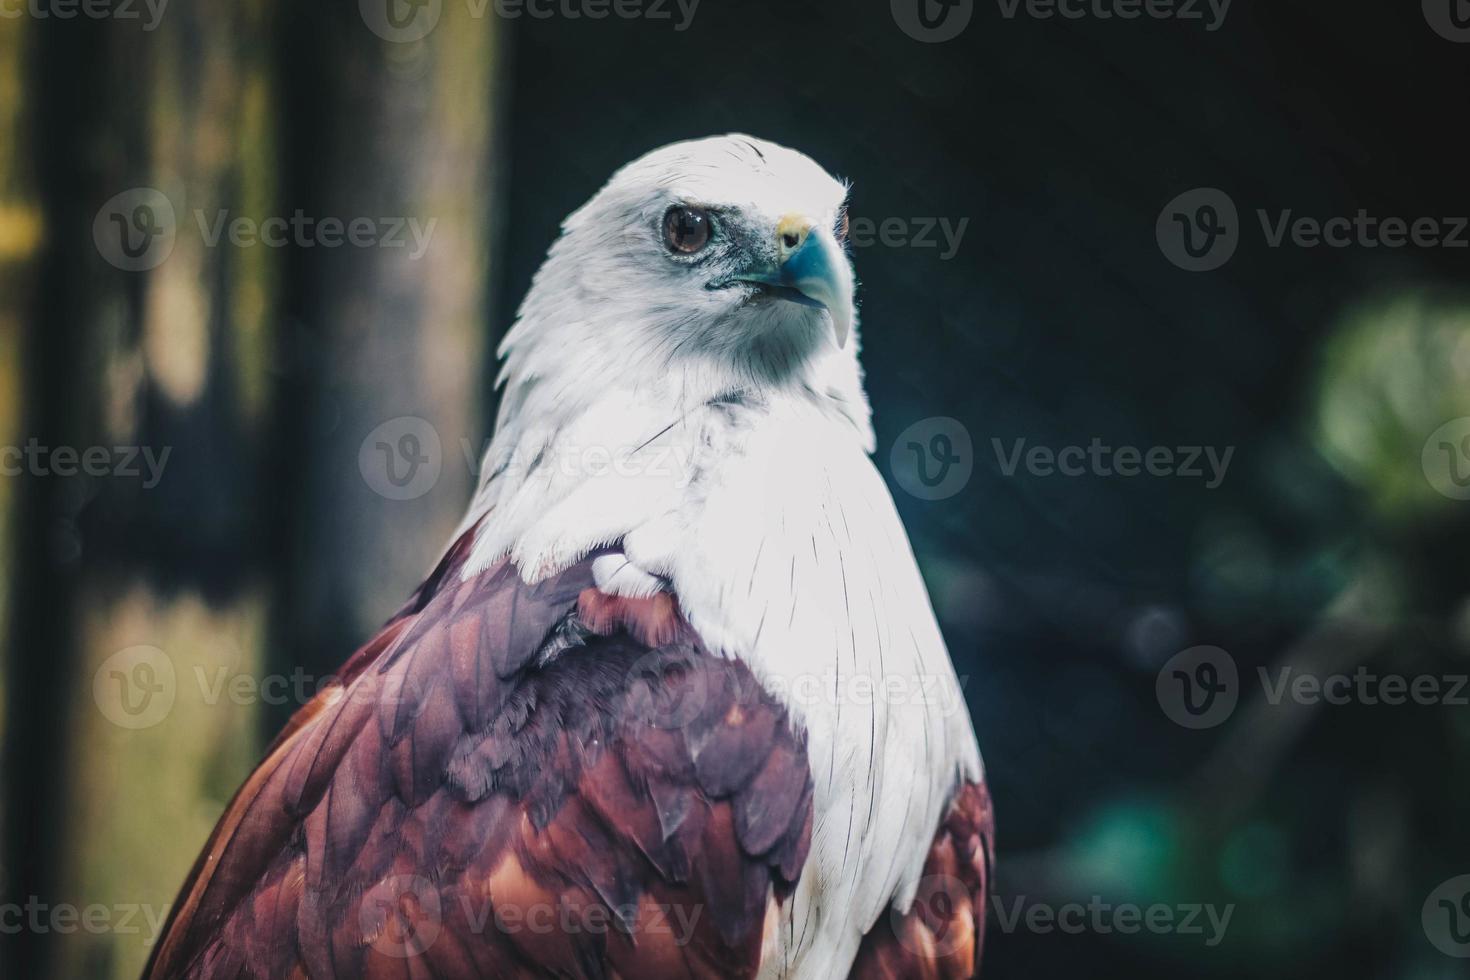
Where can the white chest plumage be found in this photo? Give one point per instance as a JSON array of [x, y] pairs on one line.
[[769, 522]]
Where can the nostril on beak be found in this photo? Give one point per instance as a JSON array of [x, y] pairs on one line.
[[790, 239]]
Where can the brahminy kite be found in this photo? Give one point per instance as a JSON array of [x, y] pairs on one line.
[[672, 703]]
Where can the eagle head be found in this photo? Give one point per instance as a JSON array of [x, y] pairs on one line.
[[725, 253]]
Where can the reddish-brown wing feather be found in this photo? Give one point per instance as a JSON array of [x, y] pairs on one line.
[[941, 936], [478, 798]]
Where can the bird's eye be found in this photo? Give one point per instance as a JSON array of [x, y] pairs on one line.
[[686, 230]]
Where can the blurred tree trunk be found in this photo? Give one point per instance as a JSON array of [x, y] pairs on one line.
[[402, 130], [20, 233], [154, 621], [140, 586], [41, 653]]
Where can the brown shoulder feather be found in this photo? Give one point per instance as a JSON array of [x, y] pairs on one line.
[[497, 788]]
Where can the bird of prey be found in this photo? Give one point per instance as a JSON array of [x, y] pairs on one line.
[[672, 703]]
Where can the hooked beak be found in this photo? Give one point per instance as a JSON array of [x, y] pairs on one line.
[[811, 269]]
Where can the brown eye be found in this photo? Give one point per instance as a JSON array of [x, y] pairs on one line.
[[686, 230], [843, 227]]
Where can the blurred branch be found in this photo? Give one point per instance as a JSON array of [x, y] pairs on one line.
[[1352, 632]]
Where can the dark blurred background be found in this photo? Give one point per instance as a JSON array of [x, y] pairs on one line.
[[1054, 149]]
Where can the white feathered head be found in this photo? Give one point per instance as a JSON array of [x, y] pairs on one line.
[[719, 261]]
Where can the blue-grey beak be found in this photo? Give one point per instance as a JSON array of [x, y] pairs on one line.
[[814, 267]]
